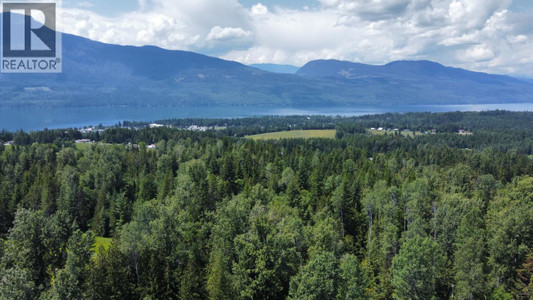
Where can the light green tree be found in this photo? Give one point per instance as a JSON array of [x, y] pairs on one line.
[[417, 269]]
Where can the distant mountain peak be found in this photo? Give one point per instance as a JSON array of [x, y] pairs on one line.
[[401, 69], [99, 74]]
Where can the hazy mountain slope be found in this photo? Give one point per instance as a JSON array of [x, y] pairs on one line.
[[98, 74], [414, 81]]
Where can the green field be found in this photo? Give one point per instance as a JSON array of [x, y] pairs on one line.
[[295, 134], [83, 146], [88, 146]]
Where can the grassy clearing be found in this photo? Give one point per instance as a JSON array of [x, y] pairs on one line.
[[83, 146], [295, 134], [102, 242], [88, 146], [530, 156]]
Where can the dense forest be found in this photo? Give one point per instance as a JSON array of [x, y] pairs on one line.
[[212, 215]]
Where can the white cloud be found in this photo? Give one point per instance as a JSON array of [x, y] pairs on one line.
[[477, 53], [259, 9], [227, 33], [475, 34], [517, 39], [155, 29]]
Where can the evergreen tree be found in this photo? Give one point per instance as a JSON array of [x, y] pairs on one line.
[[71, 281]]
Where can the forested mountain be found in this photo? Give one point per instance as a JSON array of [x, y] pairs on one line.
[[412, 81], [207, 215], [98, 74]]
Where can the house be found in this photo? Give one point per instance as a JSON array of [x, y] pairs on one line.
[[152, 146], [9, 143], [86, 130], [197, 128], [380, 129], [464, 132], [83, 141], [135, 146], [154, 125]]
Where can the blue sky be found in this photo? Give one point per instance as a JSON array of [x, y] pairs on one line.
[[485, 35], [104, 7], [114, 7], [519, 5]]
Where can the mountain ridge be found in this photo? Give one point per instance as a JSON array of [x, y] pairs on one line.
[[435, 68], [100, 74]]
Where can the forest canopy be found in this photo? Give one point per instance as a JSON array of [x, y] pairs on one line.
[[212, 215]]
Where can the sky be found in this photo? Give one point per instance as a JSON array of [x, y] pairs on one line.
[[494, 36]]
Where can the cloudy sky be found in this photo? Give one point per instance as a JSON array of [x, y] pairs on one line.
[[486, 35]]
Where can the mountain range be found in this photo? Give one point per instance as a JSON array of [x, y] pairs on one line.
[[99, 74]]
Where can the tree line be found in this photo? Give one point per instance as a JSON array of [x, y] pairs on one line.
[[212, 216]]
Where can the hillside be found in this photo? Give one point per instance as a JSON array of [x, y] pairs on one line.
[[419, 81], [101, 74], [98, 74]]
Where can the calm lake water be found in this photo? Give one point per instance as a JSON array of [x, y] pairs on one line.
[[37, 119]]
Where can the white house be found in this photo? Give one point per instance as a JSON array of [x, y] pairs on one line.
[[83, 141]]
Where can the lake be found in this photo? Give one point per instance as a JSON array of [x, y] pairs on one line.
[[52, 118]]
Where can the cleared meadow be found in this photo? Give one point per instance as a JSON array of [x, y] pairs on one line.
[[295, 134]]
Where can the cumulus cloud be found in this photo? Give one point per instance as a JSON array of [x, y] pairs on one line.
[[259, 10], [172, 24], [477, 53], [227, 33], [156, 29], [477, 34], [221, 40]]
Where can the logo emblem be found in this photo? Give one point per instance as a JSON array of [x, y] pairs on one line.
[[30, 40]]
